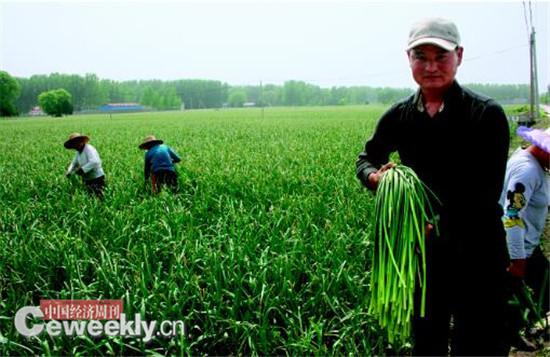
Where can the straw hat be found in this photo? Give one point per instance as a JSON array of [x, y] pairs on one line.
[[537, 137], [75, 138], [149, 141]]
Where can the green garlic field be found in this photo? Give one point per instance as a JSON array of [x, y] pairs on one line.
[[265, 249]]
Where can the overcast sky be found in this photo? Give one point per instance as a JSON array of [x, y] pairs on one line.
[[322, 42]]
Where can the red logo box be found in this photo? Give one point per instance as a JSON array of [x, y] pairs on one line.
[[81, 309]]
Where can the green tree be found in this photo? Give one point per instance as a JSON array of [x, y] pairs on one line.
[[271, 95], [56, 102], [171, 99], [294, 93], [147, 97], [545, 97], [388, 95], [237, 98], [9, 92]]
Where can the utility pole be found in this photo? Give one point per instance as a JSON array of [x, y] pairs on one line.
[[534, 87], [534, 92]]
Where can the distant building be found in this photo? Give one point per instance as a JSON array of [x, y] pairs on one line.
[[249, 104], [36, 111], [122, 107]]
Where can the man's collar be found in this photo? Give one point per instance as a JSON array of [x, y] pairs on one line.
[[420, 106]]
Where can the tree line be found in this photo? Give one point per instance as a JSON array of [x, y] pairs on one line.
[[88, 92]]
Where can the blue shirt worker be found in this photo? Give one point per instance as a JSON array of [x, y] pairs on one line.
[[525, 199], [159, 164], [86, 164]]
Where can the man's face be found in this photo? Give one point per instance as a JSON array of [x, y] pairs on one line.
[[432, 67]]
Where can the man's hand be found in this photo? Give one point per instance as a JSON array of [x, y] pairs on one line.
[[375, 177], [517, 268], [429, 230]]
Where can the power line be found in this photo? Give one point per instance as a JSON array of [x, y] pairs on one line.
[[495, 52]]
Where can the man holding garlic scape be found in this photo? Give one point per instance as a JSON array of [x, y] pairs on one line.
[[457, 142]]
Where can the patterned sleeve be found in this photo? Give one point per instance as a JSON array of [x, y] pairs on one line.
[[519, 191]]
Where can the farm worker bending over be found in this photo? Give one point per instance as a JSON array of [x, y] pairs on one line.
[[525, 199], [86, 163], [457, 143], [159, 164]]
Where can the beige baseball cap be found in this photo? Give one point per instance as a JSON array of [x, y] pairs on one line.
[[434, 31]]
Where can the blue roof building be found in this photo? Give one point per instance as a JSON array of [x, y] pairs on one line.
[[122, 107]]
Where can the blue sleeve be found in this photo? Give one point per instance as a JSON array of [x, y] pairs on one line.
[[174, 156]]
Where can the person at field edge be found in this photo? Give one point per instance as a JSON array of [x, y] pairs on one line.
[[525, 200], [159, 164], [86, 164], [457, 143]]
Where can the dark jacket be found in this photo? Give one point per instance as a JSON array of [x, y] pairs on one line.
[[461, 154]]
